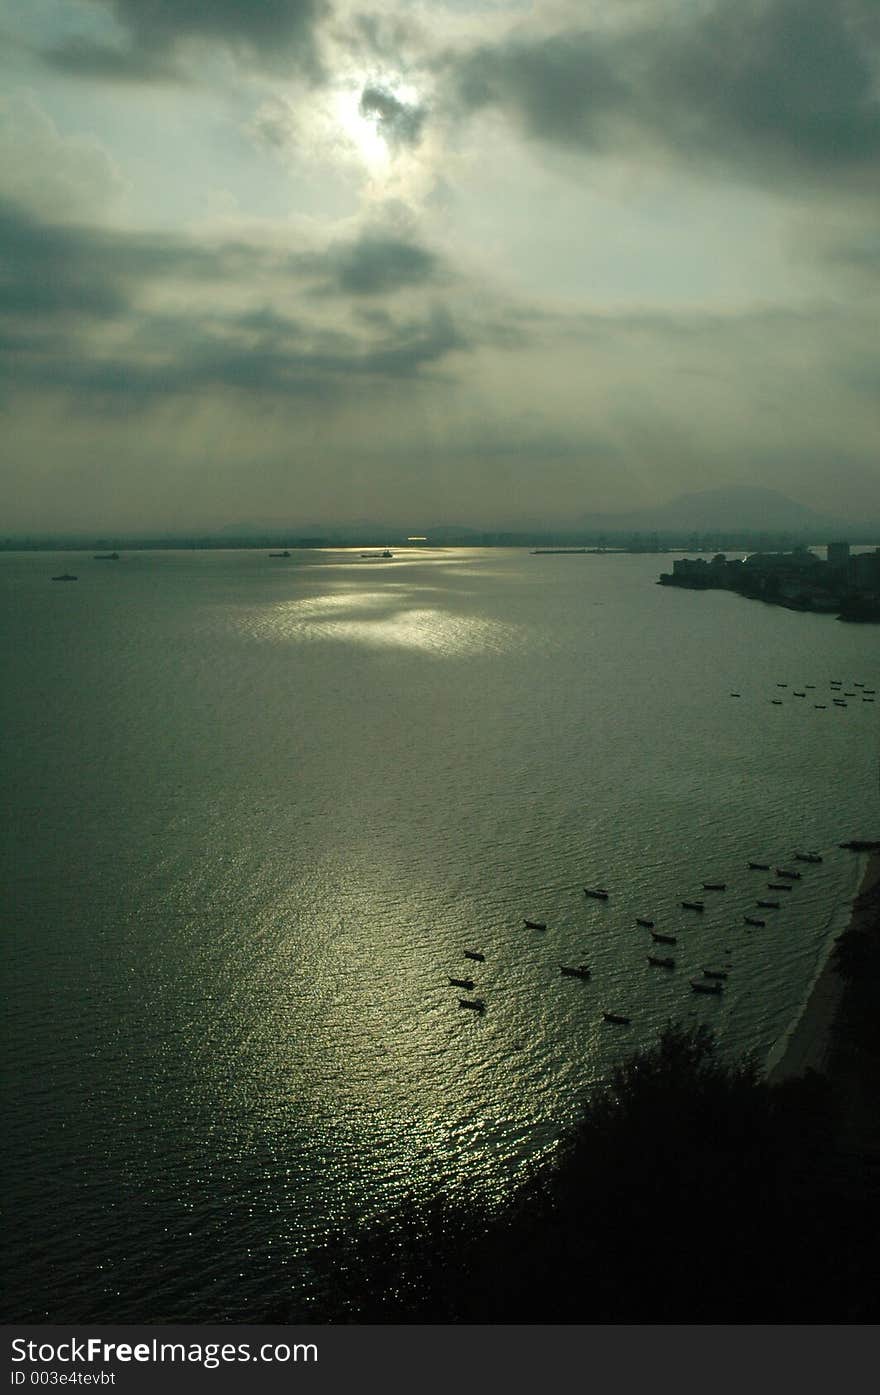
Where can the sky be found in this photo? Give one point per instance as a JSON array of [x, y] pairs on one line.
[[295, 262]]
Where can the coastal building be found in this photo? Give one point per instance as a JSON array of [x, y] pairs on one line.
[[797, 579]]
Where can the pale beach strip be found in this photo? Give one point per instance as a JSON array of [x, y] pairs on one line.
[[809, 1044]]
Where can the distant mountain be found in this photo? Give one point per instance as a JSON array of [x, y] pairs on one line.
[[737, 508]]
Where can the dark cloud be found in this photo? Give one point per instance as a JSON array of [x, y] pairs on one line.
[[377, 264], [61, 286], [398, 123], [54, 269], [273, 33], [776, 85], [173, 357]]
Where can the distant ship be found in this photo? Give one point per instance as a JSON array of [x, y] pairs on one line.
[[65, 576], [106, 557], [279, 554], [377, 556]]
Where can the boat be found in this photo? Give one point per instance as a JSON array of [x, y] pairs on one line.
[[809, 685], [475, 1004], [661, 961], [807, 857], [779, 886], [819, 706], [867, 699], [643, 920], [861, 844], [760, 866], [535, 924], [768, 905], [662, 939], [574, 970], [789, 876], [799, 695], [715, 973], [692, 905], [777, 702], [65, 576], [700, 985], [782, 685], [106, 557], [474, 954], [387, 553], [736, 695], [279, 554], [714, 886], [753, 920], [467, 983], [839, 702], [616, 1017], [598, 892]]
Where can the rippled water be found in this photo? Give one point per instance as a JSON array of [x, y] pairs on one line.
[[255, 812]]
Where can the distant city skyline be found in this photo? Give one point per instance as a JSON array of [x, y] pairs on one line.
[[480, 264]]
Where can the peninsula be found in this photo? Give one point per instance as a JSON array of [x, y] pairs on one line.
[[844, 585]]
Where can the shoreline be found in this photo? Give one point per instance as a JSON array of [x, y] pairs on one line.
[[811, 1041]]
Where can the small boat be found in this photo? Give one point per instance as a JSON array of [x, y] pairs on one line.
[[661, 961], [807, 857], [279, 554], [736, 694], [65, 576], [819, 706], [475, 1004], [867, 699], [616, 1017], [849, 695], [574, 970], [809, 685], [800, 695], [467, 983], [768, 905], [872, 691], [789, 876], [692, 905], [106, 557], [760, 866], [643, 920], [839, 702], [535, 924], [598, 892], [474, 954], [700, 985], [777, 702], [779, 886], [861, 845], [714, 886], [662, 939], [782, 685], [753, 920], [715, 973], [387, 553]]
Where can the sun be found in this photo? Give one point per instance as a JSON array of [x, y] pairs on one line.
[[363, 131]]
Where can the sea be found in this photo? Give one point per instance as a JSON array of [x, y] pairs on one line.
[[256, 810]]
